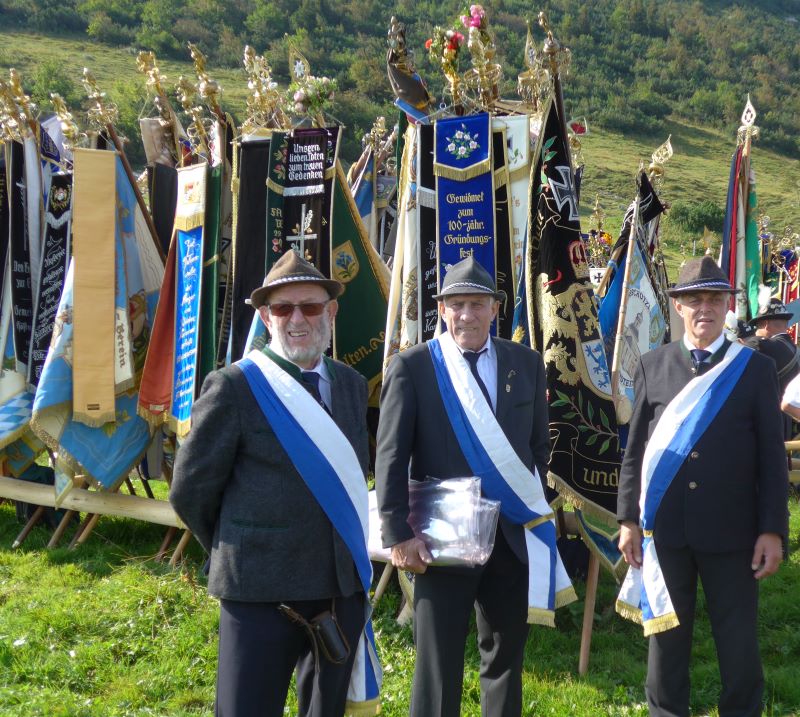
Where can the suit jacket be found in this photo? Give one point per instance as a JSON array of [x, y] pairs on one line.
[[733, 484], [414, 426], [236, 489]]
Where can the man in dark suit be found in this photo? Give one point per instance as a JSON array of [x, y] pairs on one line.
[[723, 515], [270, 542], [772, 338], [415, 429]]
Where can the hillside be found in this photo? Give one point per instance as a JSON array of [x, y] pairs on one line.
[[641, 71]]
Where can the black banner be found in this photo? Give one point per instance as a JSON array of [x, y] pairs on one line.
[[53, 271], [426, 232], [504, 248], [250, 243], [19, 255], [162, 184]]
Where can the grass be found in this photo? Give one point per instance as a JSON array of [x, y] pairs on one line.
[[106, 631]]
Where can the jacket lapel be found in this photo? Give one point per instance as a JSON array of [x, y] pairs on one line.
[[505, 381]]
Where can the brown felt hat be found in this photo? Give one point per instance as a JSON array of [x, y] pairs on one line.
[[701, 274], [776, 309], [292, 268]]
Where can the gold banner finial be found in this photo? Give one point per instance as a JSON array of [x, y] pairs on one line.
[[186, 92], [659, 158], [485, 75], [264, 101], [102, 113], [73, 137], [208, 89], [27, 109], [533, 84], [748, 130]]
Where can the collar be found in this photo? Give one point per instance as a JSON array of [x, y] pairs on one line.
[[324, 366], [489, 346], [715, 345]]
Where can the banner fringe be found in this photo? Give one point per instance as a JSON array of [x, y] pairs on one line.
[[462, 175]]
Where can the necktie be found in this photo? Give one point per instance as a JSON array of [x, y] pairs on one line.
[[698, 359], [310, 382], [472, 359]]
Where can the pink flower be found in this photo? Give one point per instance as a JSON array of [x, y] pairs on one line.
[[464, 20], [477, 10], [475, 21], [458, 37]]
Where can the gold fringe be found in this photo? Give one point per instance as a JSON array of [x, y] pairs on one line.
[[362, 709], [519, 335], [660, 624], [462, 175], [538, 521], [617, 569], [578, 501], [520, 173], [628, 612], [500, 178], [187, 222], [97, 421], [211, 260], [541, 616], [330, 172], [154, 420], [566, 596], [273, 187], [180, 428]]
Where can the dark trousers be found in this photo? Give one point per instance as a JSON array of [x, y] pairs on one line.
[[443, 603], [732, 603], [259, 648]]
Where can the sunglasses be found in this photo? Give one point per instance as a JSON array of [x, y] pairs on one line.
[[310, 309]]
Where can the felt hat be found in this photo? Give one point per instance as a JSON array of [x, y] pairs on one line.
[[469, 277], [292, 268], [776, 309], [701, 274]]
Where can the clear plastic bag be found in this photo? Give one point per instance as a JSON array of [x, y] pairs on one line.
[[457, 524]]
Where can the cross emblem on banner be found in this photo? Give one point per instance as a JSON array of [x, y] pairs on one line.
[[564, 191], [303, 232]]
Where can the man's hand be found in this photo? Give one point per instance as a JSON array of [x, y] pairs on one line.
[[411, 555], [630, 543], [767, 555]]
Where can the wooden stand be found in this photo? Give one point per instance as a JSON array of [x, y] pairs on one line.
[[592, 576]]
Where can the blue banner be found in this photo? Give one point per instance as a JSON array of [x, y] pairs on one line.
[[187, 312], [465, 193]]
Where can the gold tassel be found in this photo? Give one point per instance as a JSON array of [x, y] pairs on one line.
[[629, 612], [660, 624], [188, 222], [362, 709], [541, 616], [462, 175], [566, 596]]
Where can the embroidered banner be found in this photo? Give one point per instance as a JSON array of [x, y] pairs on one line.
[[518, 149], [94, 351], [55, 260], [361, 322], [303, 195], [106, 453], [34, 211], [585, 456], [276, 181], [189, 218], [19, 257], [4, 218], [464, 193]]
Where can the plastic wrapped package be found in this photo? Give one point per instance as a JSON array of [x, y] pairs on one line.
[[457, 524]]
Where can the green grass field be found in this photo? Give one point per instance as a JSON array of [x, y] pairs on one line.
[[106, 631]]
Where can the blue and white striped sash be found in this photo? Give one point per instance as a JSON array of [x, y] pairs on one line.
[[329, 467], [504, 477], [644, 597]]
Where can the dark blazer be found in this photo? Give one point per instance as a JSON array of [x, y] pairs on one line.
[[236, 489], [414, 425], [733, 485]]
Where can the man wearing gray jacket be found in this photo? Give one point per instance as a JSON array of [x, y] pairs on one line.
[[277, 559]]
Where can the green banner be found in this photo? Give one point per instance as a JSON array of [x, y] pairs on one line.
[[361, 322]]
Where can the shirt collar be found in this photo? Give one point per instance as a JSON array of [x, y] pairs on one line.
[[489, 346], [274, 352], [715, 346]]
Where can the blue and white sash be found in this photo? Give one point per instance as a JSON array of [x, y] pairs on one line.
[[504, 477], [328, 464], [644, 597]]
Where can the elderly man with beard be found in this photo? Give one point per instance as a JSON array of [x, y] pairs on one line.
[[242, 485]]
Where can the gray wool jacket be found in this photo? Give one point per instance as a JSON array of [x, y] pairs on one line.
[[236, 489]]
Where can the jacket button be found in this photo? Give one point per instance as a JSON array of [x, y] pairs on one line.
[[694, 454], [692, 485]]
